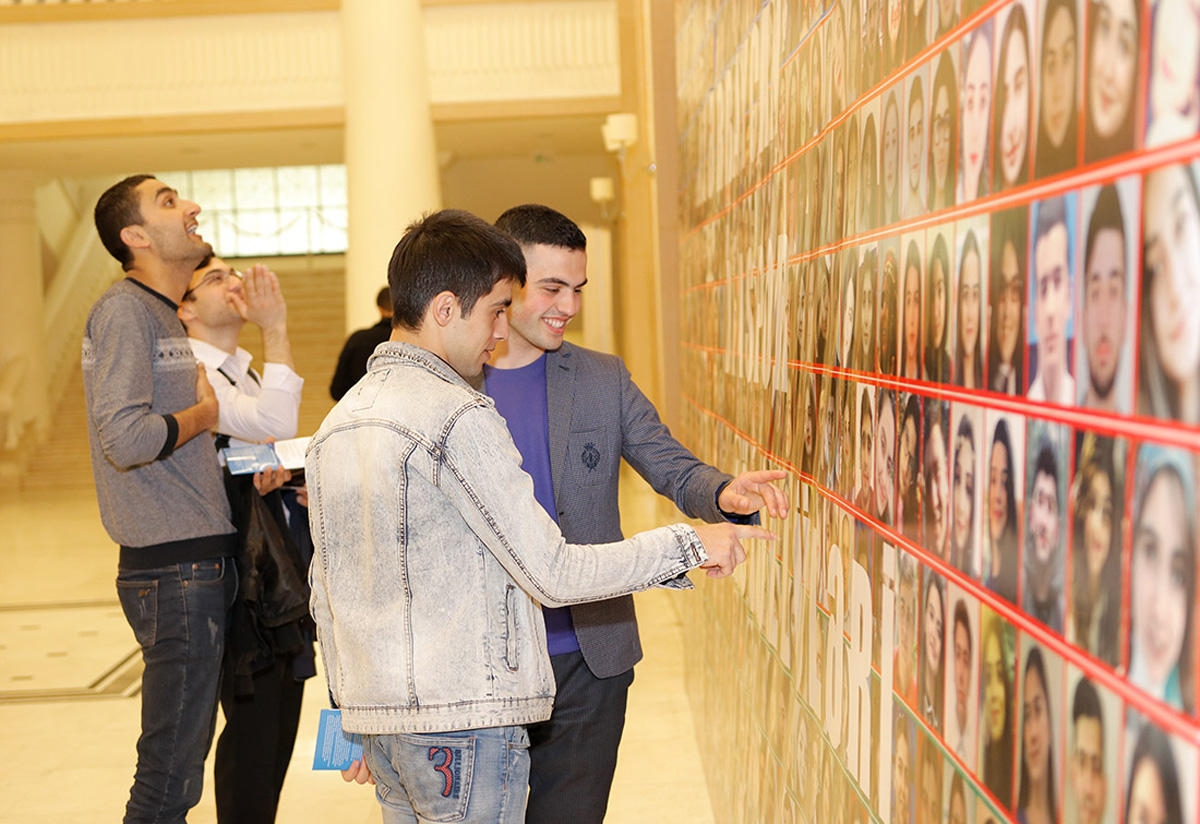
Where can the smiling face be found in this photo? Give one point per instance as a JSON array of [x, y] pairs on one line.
[[1175, 61], [962, 673], [470, 340], [969, 303], [964, 494], [1014, 130], [975, 106], [1098, 516], [1172, 258], [550, 298], [1112, 65], [1058, 75], [1162, 571], [169, 227], [933, 634]]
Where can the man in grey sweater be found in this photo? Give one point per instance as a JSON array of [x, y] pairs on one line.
[[150, 408]]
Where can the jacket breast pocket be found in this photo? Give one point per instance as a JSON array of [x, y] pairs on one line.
[[592, 459]]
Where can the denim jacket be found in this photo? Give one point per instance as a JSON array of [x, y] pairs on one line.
[[432, 555]]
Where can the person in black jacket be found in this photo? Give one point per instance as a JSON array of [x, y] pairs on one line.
[[352, 362]]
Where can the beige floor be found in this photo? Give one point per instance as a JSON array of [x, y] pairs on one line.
[[69, 677]]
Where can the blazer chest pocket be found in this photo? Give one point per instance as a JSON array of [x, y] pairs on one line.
[[592, 460]]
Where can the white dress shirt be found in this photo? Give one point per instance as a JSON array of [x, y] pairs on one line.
[[252, 408]]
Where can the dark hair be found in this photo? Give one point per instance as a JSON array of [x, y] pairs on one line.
[[1152, 743], [944, 78], [1096, 147], [1051, 159], [1086, 704], [1034, 662], [965, 430], [1046, 464], [117, 208], [1106, 215], [533, 224], [887, 330], [1008, 228], [911, 495], [912, 260], [937, 414], [1005, 582], [982, 34], [936, 358], [384, 299], [1016, 23], [1051, 212], [961, 618], [449, 251], [958, 788], [891, 205], [970, 244], [934, 585], [1096, 458], [870, 156], [996, 763]]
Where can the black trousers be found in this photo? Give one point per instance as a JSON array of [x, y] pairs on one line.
[[573, 755], [256, 745]]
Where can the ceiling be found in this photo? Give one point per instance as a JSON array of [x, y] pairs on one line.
[[529, 137]]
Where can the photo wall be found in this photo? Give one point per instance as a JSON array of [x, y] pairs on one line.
[[940, 261]]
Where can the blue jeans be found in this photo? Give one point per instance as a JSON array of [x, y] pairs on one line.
[[178, 614], [472, 776]]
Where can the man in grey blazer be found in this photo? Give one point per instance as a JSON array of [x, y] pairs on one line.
[[574, 414]]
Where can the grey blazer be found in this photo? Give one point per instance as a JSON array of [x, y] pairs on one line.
[[597, 415]]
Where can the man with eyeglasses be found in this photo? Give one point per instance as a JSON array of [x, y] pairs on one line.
[[265, 664], [150, 409]]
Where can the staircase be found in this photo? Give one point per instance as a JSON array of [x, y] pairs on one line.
[[315, 292]]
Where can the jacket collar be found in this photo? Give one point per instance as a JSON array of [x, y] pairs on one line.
[[396, 353]]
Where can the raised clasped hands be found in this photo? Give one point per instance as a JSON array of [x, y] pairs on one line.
[[261, 301]]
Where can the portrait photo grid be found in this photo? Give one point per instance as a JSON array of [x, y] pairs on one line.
[[940, 261]]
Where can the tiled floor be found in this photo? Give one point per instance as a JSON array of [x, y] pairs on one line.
[[69, 679]]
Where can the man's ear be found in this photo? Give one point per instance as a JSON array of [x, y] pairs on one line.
[[444, 307], [186, 312], [135, 237]]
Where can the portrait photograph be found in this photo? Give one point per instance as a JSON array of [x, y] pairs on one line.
[[971, 268], [864, 450], [960, 801], [890, 130], [1092, 779], [1093, 621], [1043, 580], [976, 90], [909, 307], [961, 714], [935, 466], [1169, 326], [1013, 101], [904, 766], [1007, 276], [966, 454], [908, 466], [1051, 329], [1162, 570], [1110, 105], [889, 296], [863, 358], [997, 706], [884, 480], [930, 772], [1040, 762], [868, 196], [1158, 779], [1173, 105], [1105, 300], [946, 16], [905, 658], [893, 34], [1004, 457], [916, 26], [931, 654], [943, 129], [1059, 59], [915, 140], [939, 286]]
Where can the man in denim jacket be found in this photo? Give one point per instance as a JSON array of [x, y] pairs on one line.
[[432, 553]]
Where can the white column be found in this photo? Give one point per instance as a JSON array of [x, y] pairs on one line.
[[22, 355], [390, 153]]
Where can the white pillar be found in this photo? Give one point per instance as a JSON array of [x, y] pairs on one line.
[[390, 153], [22, 312]]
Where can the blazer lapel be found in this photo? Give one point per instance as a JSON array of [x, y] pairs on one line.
[[560, 397]]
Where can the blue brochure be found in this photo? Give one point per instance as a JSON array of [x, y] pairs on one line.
[[336, 750]]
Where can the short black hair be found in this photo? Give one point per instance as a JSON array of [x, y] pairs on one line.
[[1051, 212], [117, 208], [384, 299], [1106, 215], [449, 251], [1086, 704], [1047, 464], [533, 224], [961, 617]]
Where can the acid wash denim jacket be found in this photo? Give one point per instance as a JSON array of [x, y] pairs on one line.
[[432, 555]]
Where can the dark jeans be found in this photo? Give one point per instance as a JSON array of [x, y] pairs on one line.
[[255, 747], [178, 614], [573, 755]]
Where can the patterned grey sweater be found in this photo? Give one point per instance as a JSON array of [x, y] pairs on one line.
[[138, 370]]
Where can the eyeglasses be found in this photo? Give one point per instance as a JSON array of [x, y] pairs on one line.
[[215, 276]]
